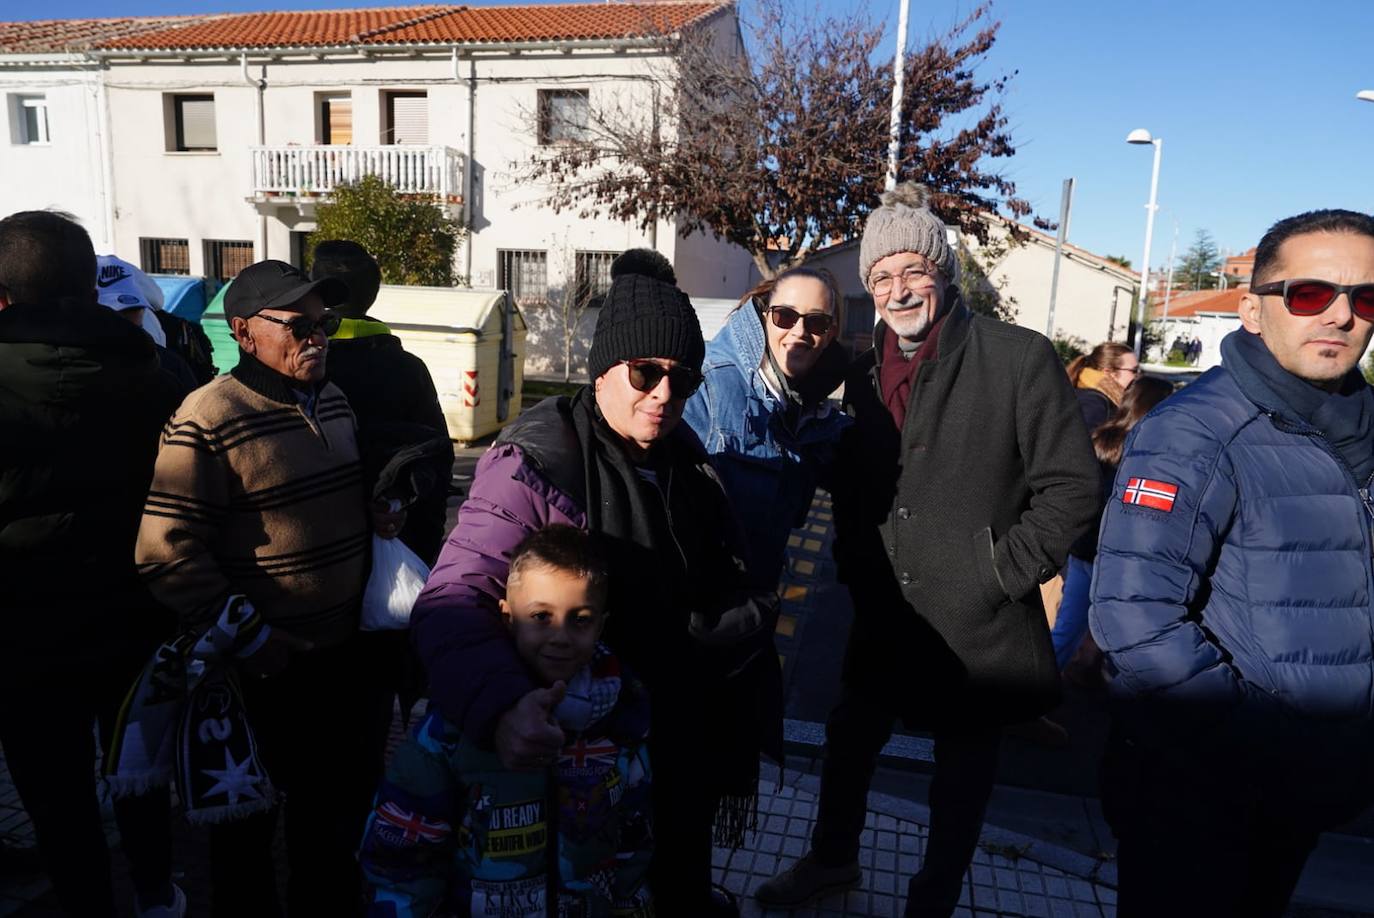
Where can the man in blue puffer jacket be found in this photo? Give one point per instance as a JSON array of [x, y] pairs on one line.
[[1234, 596]]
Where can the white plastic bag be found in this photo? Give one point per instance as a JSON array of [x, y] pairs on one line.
[[397, 577]]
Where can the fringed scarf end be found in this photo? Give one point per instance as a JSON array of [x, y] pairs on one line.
[[737, 817]]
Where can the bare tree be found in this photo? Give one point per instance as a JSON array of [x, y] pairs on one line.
[[568, 302], [784, 151]]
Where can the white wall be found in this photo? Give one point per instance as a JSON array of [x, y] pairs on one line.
[[1083, 304], [64, 174]]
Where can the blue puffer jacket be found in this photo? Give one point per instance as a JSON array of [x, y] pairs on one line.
[[1240, 621], [769, 473]]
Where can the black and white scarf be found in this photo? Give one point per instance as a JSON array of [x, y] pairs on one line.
[[184, 721]]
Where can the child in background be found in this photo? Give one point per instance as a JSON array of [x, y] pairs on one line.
[[453, 832]]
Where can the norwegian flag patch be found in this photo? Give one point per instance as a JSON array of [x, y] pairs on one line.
[[1147, 492]]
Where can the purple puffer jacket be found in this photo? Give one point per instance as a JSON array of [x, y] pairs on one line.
[[508, 500]]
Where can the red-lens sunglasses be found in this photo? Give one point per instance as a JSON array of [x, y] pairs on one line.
[[1305, 297]]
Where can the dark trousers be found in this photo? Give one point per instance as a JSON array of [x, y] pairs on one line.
[[316, 736], [965, 768], [47, 731], [684, 813], [1198, 838]]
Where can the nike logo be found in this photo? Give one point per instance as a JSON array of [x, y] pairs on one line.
[[112, 275]]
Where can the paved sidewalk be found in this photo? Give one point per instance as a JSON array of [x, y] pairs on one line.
[[1012, 875]]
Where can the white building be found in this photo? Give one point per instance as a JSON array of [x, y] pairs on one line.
[[200, 144], [1207, 315], [1093, 299]]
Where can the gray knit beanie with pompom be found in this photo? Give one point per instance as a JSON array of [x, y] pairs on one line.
[[905, 223]]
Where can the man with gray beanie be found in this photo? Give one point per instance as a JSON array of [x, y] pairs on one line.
[[959, 489], [613, 459]]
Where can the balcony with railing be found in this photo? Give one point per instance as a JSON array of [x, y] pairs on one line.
[[303, 174]]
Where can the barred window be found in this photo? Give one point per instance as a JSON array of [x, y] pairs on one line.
[[525, 273], [224, 258], [593, 277], [164, 256]]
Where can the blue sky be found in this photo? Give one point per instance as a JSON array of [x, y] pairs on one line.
[[1255, 101]]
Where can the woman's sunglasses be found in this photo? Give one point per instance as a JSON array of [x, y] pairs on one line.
[[303, 327], [813, 323], [1312, 297], [645, 375]]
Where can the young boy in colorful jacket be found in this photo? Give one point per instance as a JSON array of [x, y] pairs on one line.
[[454, 832]]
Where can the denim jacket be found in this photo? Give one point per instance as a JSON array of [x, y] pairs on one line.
[[769, 473]]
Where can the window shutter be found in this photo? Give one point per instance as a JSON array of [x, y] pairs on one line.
[[338, 121], [198, 124], [409, 118]]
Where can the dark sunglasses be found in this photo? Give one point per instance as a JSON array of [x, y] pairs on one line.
[[1312, 297], [813, 323], [645, 375], [302, 327]]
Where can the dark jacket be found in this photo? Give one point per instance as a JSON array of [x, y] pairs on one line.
[[945, 529], [1238, 622], [1095, 407], [384, 385], [82, 401]]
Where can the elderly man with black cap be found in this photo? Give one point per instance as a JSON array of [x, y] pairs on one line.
[[612, 459], [258, 493], [966, 476]]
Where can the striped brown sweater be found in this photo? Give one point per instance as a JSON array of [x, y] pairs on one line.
[[252, 496]]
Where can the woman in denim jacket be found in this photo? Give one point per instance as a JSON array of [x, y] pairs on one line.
[[762, 412]]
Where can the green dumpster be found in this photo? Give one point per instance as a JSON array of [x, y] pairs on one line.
[[226, 349]]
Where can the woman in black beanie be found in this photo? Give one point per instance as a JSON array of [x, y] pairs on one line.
[[613, 459]]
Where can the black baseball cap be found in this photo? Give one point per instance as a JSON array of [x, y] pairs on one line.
[[275, 284]]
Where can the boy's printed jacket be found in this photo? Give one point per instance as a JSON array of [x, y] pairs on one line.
[[453, 832]]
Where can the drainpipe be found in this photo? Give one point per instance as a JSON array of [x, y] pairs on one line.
[[261, 84], [102, 101], [467, 161]]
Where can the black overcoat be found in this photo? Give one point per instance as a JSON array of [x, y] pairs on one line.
[[945, 529]]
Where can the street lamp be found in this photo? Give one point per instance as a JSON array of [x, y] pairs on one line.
[[1365, 95], [1142, 136]]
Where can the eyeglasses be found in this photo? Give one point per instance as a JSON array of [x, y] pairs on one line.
[[302, 327], [1134, 371], [1304, 297], [645, 375], [813, 323], [881, 284]]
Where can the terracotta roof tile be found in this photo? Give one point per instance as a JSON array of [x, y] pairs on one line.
[[312, 28], [560, 22], [432, 24], [1181, 306], [47, 36]]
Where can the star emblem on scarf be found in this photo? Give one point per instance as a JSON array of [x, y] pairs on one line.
[[234, 780]]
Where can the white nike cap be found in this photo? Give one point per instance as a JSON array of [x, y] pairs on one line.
[[121, 286]]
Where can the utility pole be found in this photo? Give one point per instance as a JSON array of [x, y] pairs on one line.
[[1065, 207], [1169, 284], [894, 131]]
